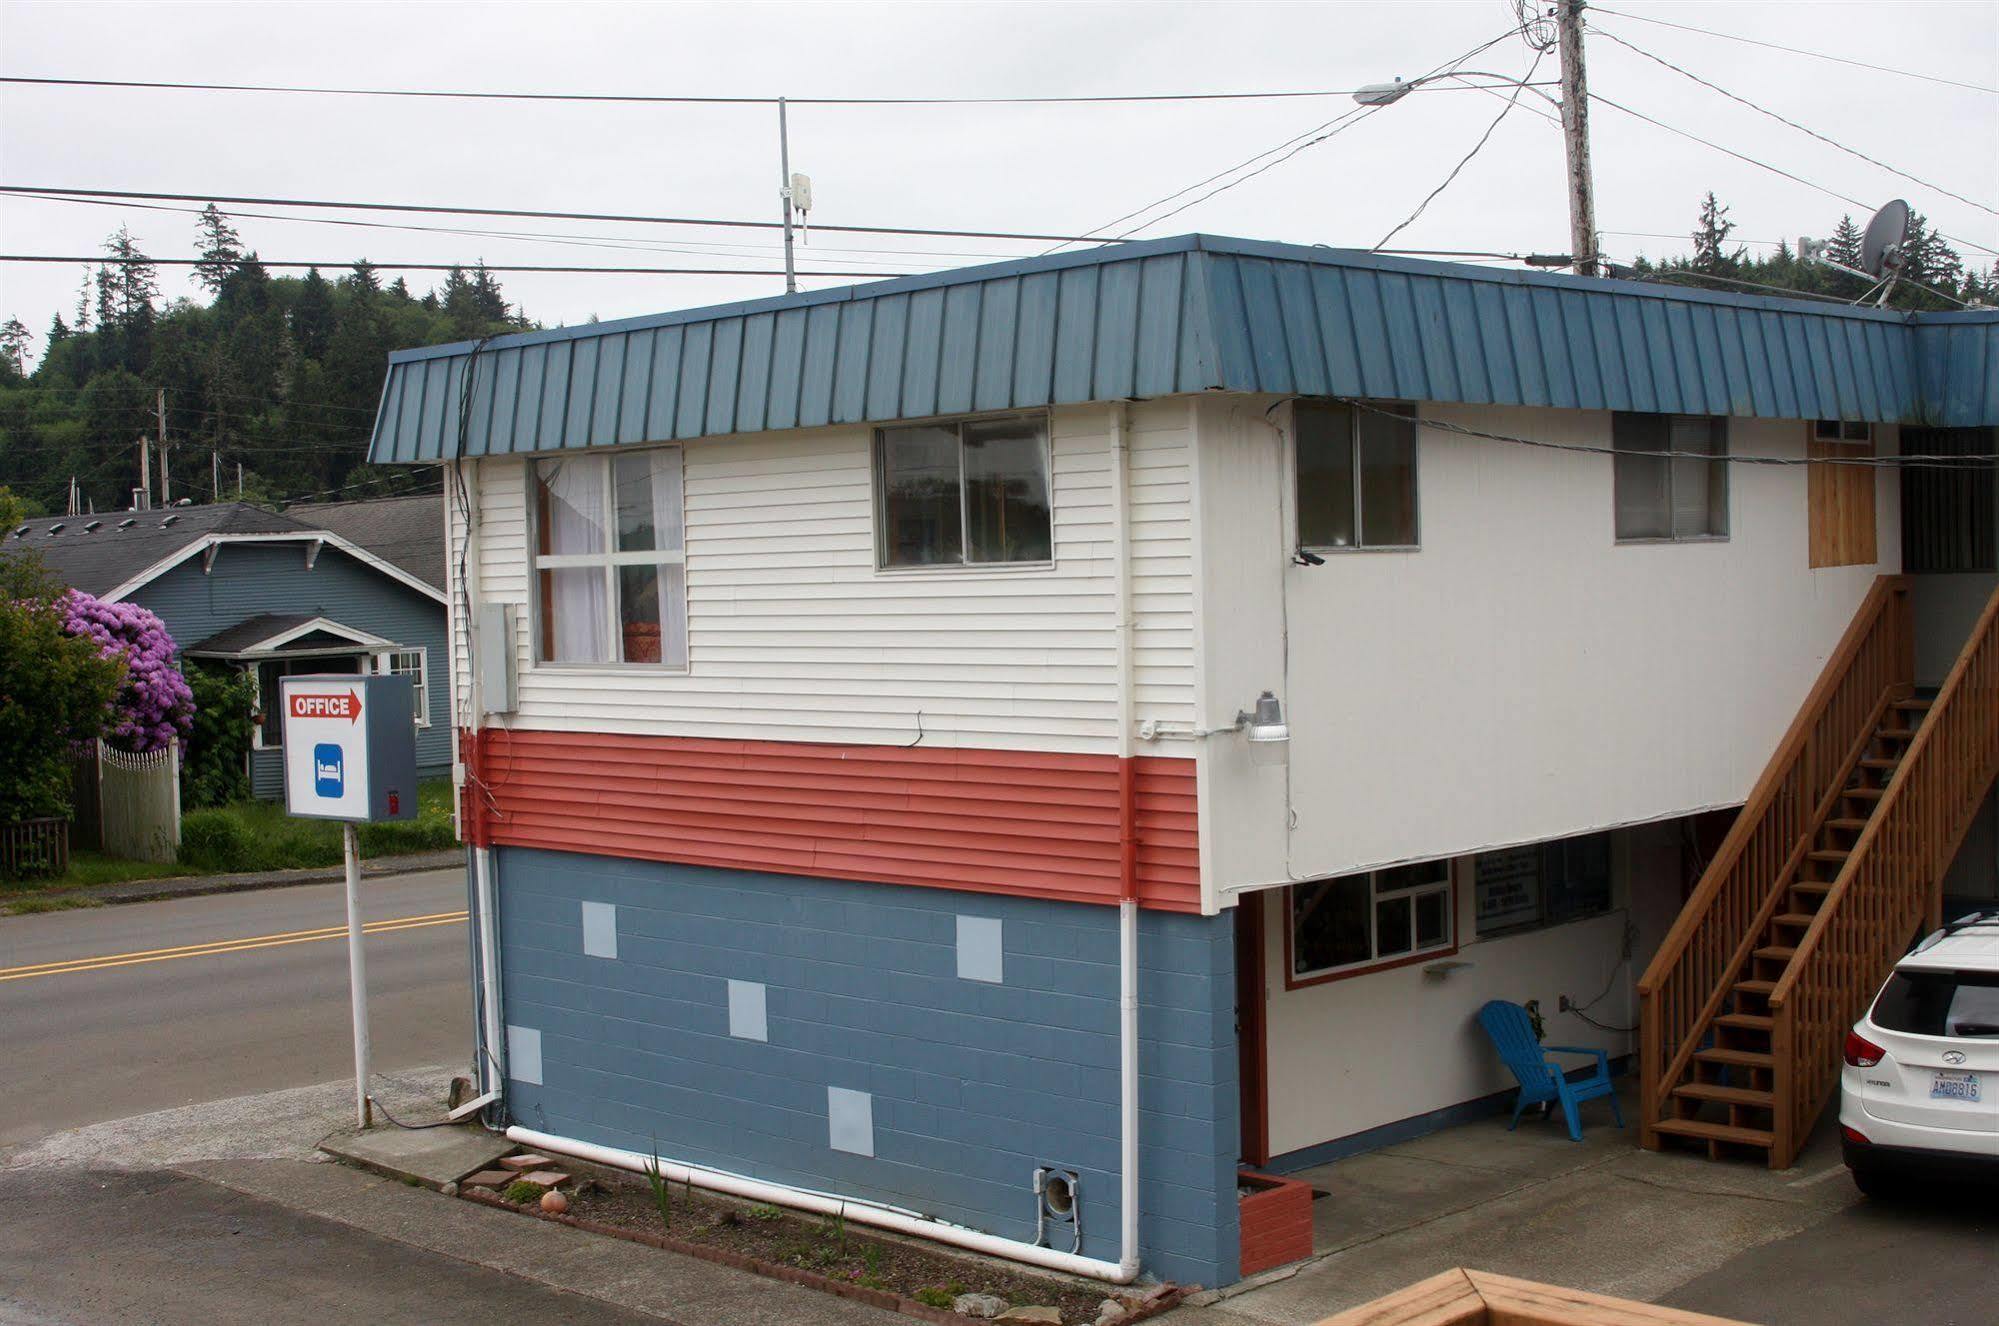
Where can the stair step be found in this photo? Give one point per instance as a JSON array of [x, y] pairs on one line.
[[1897, 734], [1848, 825], [1863, 793], [1777, 952], [1746, 1021], [1912, 705], [1871, 763], [1819, 886], [1755, 987], [1715, 1132], [1799, 919], [1725, 1095], [1833, 856], [1736, 1058]]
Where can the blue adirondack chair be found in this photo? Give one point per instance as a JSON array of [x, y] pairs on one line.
[[1541, 1078]]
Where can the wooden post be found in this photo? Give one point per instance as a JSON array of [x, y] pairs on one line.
[[1575, 137]]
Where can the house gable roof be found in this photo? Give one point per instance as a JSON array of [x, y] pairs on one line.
[[1189, 314], [125, 543], [406, 532]]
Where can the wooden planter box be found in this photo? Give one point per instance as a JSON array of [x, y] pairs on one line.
[[1276, 1220]]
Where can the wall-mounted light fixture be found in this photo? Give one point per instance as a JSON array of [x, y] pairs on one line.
[[1269, 735]]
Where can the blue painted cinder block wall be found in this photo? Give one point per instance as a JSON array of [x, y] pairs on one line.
[[250, 579], [969, 1083]]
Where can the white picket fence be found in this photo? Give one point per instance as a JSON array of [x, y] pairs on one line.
[[138, 803]]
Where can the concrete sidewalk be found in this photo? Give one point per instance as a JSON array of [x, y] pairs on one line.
[[1733, 1239]]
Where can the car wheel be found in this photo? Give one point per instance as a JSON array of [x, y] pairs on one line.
[[1875, 1184]]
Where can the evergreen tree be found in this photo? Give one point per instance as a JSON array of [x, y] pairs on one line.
[[83, 303], [1844, 246], [1927, 258], [364, 280], [16, 343], [312, 315], [136, 282], [1711, 240], [219, 247]]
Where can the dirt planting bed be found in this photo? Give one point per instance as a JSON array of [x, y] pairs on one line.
[[910, 1276]]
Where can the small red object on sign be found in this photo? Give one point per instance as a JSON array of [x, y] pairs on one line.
[[395, 804]]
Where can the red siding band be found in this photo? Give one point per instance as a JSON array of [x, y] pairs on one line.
[[1037, 824]]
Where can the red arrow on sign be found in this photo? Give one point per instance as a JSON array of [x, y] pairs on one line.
[[346, 706]]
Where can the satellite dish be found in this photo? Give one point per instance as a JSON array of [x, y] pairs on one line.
[[1881, 244]]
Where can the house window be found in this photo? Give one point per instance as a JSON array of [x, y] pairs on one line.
[[1524, 888], [269, 733], [973, 492], [411, 663], [1340, 926], [1841, 496], [1356, 475], [1950, 511], [1676, 496], [610, 565]]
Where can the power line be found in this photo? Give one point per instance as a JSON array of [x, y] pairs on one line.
[[1764, 110], [1796, 50], [1465, 160], [649, 99], [1764, 165], [528, 213], [337, 263]]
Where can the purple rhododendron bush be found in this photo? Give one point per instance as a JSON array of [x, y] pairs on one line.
[[154, 705]]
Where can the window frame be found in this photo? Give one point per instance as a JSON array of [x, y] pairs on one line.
[[1830, 488], [878, 488], [385, 667], [1719, 424], [1448, 887], [1355, 407], [610, 560], [1546, 885]]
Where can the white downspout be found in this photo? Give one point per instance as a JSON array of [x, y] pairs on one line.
[[1128, 1257], [878, 1214], [490, 1073]]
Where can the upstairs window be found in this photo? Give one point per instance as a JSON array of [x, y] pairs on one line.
[[1666, 488], [1356, 475], [610, 566], [974, 492]]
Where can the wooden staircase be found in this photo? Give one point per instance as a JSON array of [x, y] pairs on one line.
[[1836, 859]]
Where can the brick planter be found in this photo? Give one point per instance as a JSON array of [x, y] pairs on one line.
[[1276, 1216]]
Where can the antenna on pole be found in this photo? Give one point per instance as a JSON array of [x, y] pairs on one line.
[[1881, 253]]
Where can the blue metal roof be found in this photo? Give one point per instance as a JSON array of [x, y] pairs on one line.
[[1193, 313]]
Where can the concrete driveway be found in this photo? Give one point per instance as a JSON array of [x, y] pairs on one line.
[[1736, 1240]]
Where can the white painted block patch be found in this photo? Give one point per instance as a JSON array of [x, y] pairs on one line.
[[524, 1054], [850, 1120], [980, 955], [746, 1011], [600, 929]]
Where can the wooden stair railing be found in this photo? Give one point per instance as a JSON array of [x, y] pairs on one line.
[[1688, 980], [1890, 884]]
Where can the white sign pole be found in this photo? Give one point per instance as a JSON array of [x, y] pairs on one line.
[[357, 972]]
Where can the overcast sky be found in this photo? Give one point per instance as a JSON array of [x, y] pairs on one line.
[[1061, 168]]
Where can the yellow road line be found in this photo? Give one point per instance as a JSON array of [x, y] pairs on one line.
[[197, 949], [225, 946]]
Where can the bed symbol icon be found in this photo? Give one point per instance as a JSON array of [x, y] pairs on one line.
[[329, 777]]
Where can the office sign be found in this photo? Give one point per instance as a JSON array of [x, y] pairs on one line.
[[350, 748]]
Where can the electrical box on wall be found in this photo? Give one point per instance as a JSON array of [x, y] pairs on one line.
[[494, 652], [350, 747]]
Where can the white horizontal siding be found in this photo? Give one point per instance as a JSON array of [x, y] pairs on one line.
[[793, 635]]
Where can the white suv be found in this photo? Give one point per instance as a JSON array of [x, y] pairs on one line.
[[1920, 1093]]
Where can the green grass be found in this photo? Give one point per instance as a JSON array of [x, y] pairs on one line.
[[32, 903], [247, 835]]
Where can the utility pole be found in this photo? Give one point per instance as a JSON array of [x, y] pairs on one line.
[[784, 193], [144, 492], [160, 409], [214, 476], [1575, 134]]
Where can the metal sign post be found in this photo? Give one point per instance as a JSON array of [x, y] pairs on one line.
[[350, 755], [357, 972]]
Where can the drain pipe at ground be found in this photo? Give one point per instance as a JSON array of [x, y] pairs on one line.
[[1127, 852], [879, 1215]]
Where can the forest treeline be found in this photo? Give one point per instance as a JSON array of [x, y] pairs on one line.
[[280, 375]]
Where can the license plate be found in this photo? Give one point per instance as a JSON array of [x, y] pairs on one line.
[[1954, 1086]]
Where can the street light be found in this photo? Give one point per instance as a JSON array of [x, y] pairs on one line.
[[1387, 94]]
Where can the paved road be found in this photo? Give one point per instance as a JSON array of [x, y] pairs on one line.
[[115, 1011]]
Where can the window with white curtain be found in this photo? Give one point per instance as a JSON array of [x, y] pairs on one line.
[[609, 560]]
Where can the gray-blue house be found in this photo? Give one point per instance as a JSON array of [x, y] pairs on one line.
[[334, 587]]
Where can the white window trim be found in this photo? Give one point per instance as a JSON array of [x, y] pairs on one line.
[[1415, 464], [877, 476], [609, 560], [384, 666], [1446, 884]]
